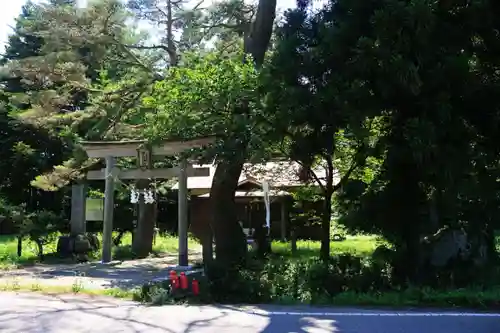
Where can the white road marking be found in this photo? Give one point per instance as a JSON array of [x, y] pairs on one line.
[[376, 314]]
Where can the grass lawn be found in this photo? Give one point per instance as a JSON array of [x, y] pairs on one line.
[[361, 245], [164, 244], [8, 252]]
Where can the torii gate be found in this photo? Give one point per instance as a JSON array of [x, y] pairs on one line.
[[110, 150]]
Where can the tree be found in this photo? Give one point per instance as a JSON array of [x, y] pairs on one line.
[[68, 81], [229, 238], [319, 111], [203, 98], [67, 30], [427, 74], [19, 46], [230, 17], [26, 150]]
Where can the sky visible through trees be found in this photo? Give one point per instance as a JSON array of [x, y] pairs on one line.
[[11, 9]]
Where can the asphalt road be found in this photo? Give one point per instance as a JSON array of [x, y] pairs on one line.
[[30, 313]]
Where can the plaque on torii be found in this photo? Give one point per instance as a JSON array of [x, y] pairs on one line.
[[144, 158], [110, 150]]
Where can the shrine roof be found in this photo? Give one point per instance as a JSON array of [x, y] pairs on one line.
[[254, 194], [279, 174]]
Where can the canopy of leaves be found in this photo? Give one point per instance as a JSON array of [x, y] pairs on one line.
[[205, 97], [428, 73]]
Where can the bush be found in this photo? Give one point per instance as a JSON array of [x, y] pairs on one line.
[[290, 281], [40, 226], [236, 285], [312, 280], [337, 231], [344, 280]]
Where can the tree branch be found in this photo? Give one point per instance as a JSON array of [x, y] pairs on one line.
[[147, 47], [315, 176], [138, 62], [197, 6], [351, 169], [223, 25]]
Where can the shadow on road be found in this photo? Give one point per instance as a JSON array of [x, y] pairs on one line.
[[30, 313], [300, 325], [281, 321], [123, 275], [102, 315], [306, 319]]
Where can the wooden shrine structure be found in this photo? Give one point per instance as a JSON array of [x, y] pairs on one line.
[[110, 150]]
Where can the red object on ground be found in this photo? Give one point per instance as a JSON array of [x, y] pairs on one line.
[[184, 281], [174, 279], [196, 287]]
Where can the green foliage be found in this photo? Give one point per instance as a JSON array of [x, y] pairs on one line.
[[202, 98], [325, 117], [25, 152], [76, 79], [40, 226], [20, 45], [397, 100], [344, 280], [437, 159]]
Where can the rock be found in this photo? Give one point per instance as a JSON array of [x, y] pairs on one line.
[[94, 242], [448, 244], [452, 244], [82, 257], [81, 244], [65, 246]]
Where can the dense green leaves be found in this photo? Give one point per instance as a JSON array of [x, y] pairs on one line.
[[205, 97], [420, 62]]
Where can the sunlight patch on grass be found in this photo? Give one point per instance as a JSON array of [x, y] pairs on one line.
[[361, 245], [164, 244], [8, 251], [76, 288]]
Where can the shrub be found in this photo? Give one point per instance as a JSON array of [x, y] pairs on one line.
[[236, 285], [285, 280]]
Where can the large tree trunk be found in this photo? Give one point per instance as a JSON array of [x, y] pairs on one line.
[[142, 242], [325, 227], [491, 242], [19, 246], [230, 245], [229, 238], [327, 210], [207, 245]]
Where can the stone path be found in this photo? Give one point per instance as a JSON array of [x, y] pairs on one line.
[[95, 275]]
